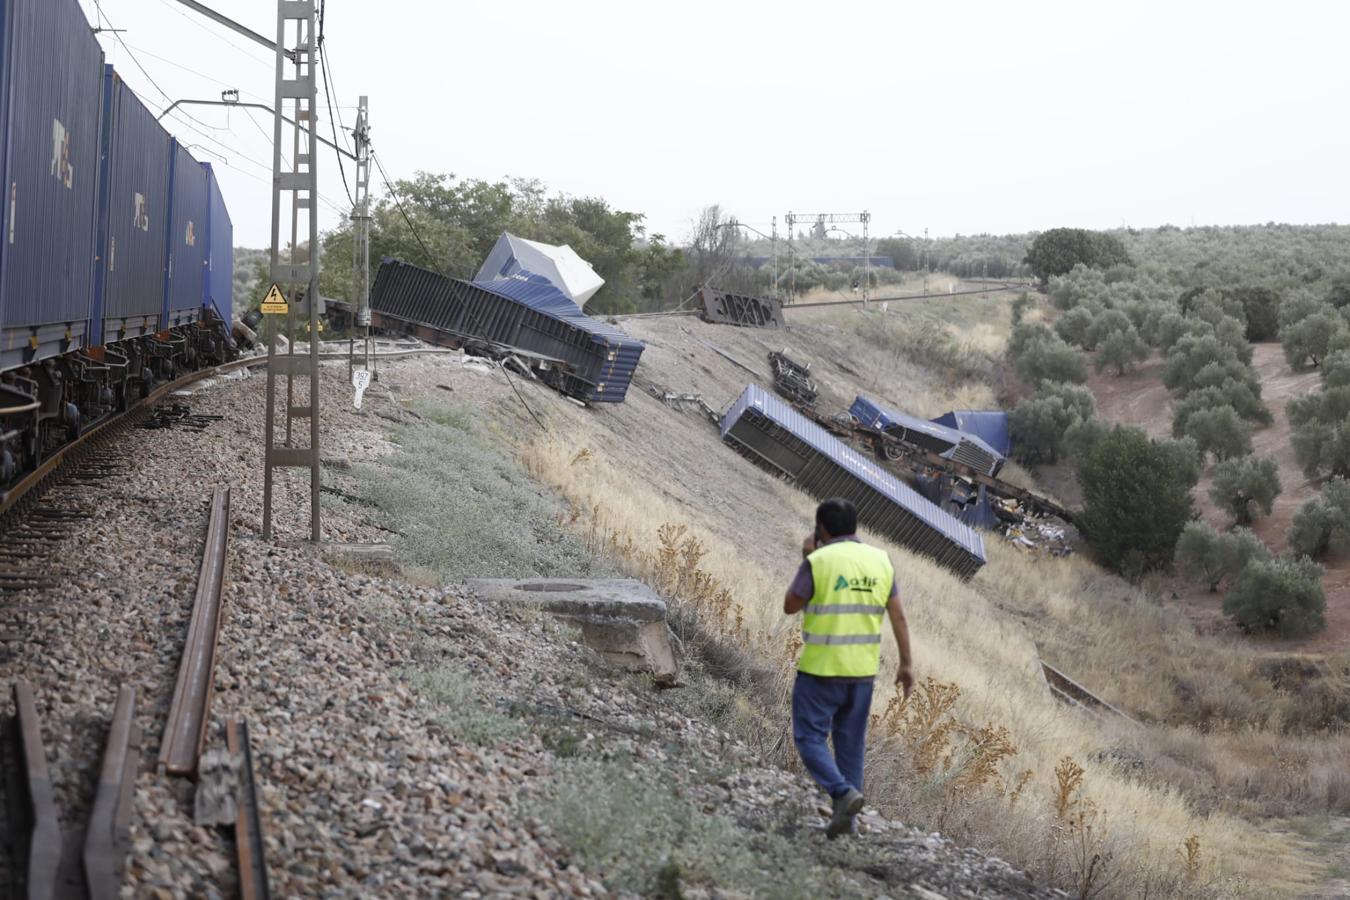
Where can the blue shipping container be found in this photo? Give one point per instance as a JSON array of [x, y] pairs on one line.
[[586, 358], [218, 281], [189, 211], [779, 437], [991, 425], [133, 217], [52, 76], [619, 351], [950, 443]]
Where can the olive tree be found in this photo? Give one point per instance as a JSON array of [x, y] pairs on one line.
[[1220, 432], [1039, 424], [1120, 351], [1323, 522], [1244, 484], [1282, 594], [1209, 556]]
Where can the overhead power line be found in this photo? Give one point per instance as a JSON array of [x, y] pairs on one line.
[[431, 260]]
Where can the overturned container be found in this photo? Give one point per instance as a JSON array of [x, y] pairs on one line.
[[777, 437]]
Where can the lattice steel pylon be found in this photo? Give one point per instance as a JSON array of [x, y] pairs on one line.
[[295, 185], [864, 217], [361, 227]]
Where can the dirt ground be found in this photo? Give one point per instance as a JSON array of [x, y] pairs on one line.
[[1139, 398]]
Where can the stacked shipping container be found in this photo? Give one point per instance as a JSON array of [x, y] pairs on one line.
[[104, 232]]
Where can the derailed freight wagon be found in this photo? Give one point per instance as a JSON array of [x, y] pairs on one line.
[[945, 441], [776, 436], [582, 357]]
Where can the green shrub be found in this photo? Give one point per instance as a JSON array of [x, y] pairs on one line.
[[1243, 484], [650, 836], [1282, 594], [1136, 499], [1208, 556]]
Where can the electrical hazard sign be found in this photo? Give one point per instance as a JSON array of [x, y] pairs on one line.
[[274, 303]]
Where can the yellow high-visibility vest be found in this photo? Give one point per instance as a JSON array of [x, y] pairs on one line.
[[841, 626]]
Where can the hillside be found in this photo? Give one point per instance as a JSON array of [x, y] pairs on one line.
[[626, 471]]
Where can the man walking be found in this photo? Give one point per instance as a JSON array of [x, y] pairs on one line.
[[845, 588]]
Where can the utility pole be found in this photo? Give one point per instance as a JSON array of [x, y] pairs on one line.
[[774, 241], [296, 187], [361, 227]]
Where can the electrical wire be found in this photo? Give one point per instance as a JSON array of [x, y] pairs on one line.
[[431, 260], [328, 96], [269, 63], [202, 75], [118, 35]]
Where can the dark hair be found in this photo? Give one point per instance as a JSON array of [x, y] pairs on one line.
[[837, 516]]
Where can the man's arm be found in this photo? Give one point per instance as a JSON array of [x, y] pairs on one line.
[[900, 628], [803, 586]]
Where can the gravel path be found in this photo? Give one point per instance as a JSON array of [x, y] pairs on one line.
[[408, 740]]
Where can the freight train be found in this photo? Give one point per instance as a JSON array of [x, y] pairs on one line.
[[116, 257]]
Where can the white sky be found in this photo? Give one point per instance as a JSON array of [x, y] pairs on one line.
[[958, 117]]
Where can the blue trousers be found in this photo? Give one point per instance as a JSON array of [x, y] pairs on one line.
[[830, 708]]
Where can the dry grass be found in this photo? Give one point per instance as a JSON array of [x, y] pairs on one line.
[[1131, 831]]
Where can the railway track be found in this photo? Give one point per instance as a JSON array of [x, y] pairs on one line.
[[75, 863], [96, 436]]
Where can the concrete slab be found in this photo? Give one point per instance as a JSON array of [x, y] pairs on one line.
[[620, 617]]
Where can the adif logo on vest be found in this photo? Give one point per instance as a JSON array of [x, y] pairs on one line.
[[191, 235], [61, 165], [142, 220], [865, 584]]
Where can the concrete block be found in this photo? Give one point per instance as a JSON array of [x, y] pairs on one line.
[[619, 617]]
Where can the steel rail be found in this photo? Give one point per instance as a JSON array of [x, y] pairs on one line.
[[74, 864], [1065, 689], [248, 834], [189, 713], [25, 486], [109, 833]]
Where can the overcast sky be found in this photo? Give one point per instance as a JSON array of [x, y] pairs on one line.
[[956, 117]]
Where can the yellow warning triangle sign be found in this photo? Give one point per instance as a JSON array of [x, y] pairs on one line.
[[274, 302]]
